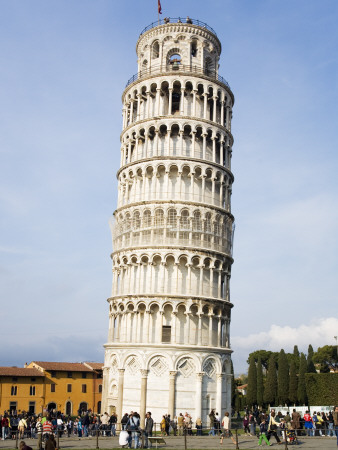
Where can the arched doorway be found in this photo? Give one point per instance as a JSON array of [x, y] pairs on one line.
[[68, 408], [51, 407], [83, 407]]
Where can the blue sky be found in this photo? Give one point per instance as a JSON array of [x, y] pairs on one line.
[[64, 65]]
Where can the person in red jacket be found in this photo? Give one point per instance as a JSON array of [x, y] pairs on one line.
[[4, 427]]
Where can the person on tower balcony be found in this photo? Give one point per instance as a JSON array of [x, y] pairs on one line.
[[188, 20]]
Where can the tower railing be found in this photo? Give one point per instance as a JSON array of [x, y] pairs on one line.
[[168, 20], [176, 68]]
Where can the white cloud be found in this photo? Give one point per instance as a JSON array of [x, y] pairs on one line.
[[318, 333]]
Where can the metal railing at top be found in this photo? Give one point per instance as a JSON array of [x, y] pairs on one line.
[[171, 20], [176, 67]]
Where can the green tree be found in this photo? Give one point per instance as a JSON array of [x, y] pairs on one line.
[[296, 357], [270, 391], [293, 383], [326, 358], [233, 387], [310, 366], [301, 391], [283, 378], [251, 394], [260, 386], [263, 354]]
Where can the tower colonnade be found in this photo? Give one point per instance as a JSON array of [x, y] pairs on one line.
[[168, 347]]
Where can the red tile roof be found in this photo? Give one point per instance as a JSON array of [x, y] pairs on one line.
[[20, 372], [61, 366], [94, 365]]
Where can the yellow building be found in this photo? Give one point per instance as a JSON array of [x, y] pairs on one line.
[[21, 389], [65, 387]]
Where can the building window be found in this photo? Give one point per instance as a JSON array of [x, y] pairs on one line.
[[166, 334], [69, 388], [31, 407], [84, 388], [99, 407], [100, 388], [33, 379], [14, 390], [68, 408], [32, 390], [53, 373], [84, 374], [69, 374], [15, 379], [52, 387]]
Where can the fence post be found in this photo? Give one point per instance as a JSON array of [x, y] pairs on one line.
[[16, 439], [58, 438], [185, 437], [236, 432], [97, 438], [286, 442]]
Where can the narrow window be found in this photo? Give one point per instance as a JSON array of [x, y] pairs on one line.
[[14, 390], [69, 388], [53, 373], [84, 374], [69, 374], [166, 334], [32, 390], [52, 387], [100, 388], [84, 388]]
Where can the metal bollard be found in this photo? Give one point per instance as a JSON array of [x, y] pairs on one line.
[[97, 439], [236, 432], [142, 439], [58, 438], [286, 441]]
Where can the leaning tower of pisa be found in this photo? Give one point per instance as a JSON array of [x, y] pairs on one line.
[[168, 348]]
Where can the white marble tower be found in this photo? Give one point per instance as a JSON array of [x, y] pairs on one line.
[[168, 348]]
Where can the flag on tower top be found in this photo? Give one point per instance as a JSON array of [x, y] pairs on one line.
[[159, 6]]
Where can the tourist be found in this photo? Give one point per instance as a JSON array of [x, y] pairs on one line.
[[212, 422], [252, 424], [173, 424], [198, 427], [246, 425], [295, 420], [124, 421], [133, 426], [330, 424], [50, 443], [22, 427], [148, 429], [226, 432], [273, 427], [188, 20], [335, 421], [39, 430], [112, 423], [47, 427], [308, 424], [24, 446], [4, 426], [163, 424], [263, 428], [180, 424]]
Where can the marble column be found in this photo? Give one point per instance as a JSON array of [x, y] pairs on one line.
[[144, 380], [219, 379], [171, 405], [198, 398], [119, 409]]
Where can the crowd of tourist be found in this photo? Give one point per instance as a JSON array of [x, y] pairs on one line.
[[255, 422]]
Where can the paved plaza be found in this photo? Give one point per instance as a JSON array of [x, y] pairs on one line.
[[177, 442]]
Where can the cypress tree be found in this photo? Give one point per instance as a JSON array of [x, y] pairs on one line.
[[301, 391], [293, 383], [296, 357], [251, 395], [310, 366], [260, 387], [270, 391], [283, 378], [233, 387]]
